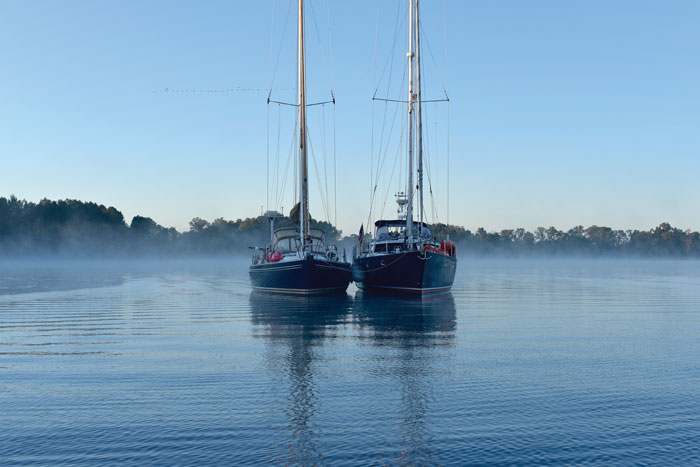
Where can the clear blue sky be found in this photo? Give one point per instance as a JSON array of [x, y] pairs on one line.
[[563, 112]]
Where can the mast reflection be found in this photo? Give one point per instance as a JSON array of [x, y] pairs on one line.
[[301, 324], [413, 334]]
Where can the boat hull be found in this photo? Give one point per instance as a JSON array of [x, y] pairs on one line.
[[307, 276], [405, 272]]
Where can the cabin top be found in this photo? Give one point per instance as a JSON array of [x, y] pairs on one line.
[[397, 222], [394, 230]]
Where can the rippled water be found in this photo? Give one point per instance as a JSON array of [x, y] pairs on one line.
[[176, 363]]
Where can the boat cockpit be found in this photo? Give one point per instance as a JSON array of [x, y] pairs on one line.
[[390, 235], [287, 240]]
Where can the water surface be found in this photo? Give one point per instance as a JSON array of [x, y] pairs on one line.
[[179, 363]]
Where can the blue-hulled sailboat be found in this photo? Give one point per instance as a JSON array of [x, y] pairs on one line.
[[298, 260], [403, 255]]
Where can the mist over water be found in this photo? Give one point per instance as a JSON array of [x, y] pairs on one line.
[[530, 361]]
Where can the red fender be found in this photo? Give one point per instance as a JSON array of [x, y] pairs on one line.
[[274, 256], [432, 248], [449, 248]]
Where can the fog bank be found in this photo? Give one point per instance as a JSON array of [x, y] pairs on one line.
[[77, 229]]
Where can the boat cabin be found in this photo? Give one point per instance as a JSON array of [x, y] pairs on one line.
[[286, 240], [390, 235]]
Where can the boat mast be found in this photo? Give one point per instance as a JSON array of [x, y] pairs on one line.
[[409, 209], [303, 166], [419, 123]]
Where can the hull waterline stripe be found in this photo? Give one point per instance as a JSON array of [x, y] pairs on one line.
[[408, 289], [267, 269], [300, 291]]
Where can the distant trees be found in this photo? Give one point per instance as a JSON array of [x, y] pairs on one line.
[[145, 226], [198, 224], [663, 240], [48, 225], [72, 227]]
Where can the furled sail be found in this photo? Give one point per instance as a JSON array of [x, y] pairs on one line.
[[294, 215]]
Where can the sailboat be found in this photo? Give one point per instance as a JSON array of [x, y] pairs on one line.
[[403, 255], [297, 260]]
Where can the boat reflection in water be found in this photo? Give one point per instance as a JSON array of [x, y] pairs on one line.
[[398, 352], [296, 326], [413, 340], [388, 314]]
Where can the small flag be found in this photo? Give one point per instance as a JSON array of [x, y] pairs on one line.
[[362, 233]]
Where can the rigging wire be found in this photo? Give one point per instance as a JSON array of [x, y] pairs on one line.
[[382, 157], [279, 52], [448, 166], [323, 140], [296, 160], [390, 62], [328, 57], [324, 204], [399, 159], [320, 43], [427, 152], [447, 87], [267, 152], [371, 170], [332, 65], [330, 46], [385, 136], [267, 161], [272, 35], [290, 155], [374, 92], [297, 126], [426, 148], [436, 212], [335, 178], [281, 177], [424, 36], [277, 157], [398, 28]]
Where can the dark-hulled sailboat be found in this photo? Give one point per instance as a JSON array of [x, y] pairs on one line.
[[403, 255], [297, 260]]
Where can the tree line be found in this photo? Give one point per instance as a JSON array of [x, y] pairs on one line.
[[73, 227], [664, 240]]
